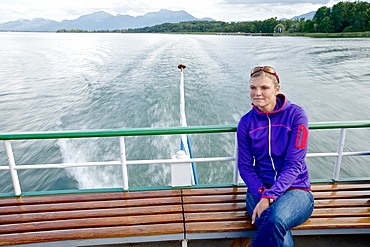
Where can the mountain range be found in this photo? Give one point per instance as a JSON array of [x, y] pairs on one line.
[[104, 21], [307, 16], [100, 21]]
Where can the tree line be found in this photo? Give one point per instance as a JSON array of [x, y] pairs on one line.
[[342, 17]]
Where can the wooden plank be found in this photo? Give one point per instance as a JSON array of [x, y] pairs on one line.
[[341, 194], [241, 198], [335, 222], [234, 215], [214, 207], [245, 225], [214, 198], [89, 205], [340, 186], [338, 212], [219, 226], [331, 203], [91, 222], [98, 196], [344, 209], [215, 191], [90, 213], [215, 216], [91, 233]]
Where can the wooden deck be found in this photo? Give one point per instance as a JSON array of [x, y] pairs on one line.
[[340, 208]]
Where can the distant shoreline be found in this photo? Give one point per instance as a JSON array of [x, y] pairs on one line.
[[312, 35]]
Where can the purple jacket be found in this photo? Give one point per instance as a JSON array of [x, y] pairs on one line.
[[272, 147]]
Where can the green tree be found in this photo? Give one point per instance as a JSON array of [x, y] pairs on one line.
[[326, 25], [360, 16], [321, 14], [295, 28], [267, 26], [309, 26], [341, 15]]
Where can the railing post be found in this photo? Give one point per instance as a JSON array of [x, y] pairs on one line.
[[13, 171], [338, 160], [123, 162], [236, 170], [184, 243]]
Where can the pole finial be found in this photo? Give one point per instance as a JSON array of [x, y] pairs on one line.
[[181, 67]]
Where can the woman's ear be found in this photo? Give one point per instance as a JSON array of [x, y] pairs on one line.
[[277, 89]]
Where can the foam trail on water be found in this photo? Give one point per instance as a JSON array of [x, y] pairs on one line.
[[80, 151]]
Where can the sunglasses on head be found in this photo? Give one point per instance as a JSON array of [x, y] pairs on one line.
[[267, 69]]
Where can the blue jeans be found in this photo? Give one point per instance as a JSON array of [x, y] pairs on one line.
[[291, 209]]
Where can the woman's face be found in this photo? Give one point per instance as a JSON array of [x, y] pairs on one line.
[[263, 93]]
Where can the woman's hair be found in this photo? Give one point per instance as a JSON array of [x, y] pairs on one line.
[[262, 73]]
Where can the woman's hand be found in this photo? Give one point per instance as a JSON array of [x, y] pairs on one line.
[[260, 207]]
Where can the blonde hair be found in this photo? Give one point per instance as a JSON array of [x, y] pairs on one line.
[[262, 73]]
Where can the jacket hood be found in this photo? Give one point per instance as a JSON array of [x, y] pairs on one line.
[[282, 103]]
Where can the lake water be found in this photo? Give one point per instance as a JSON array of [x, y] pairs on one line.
[[62, 81]]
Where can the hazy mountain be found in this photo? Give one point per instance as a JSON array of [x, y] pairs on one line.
[[100, 21], [27, 25], [307, 16]]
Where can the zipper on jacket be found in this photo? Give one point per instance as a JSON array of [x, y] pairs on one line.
[[269, 144]]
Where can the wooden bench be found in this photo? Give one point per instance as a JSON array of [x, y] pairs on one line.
[[340, 208], [90, 216], [204, 213]]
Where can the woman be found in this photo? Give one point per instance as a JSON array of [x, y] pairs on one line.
[[272, 143]]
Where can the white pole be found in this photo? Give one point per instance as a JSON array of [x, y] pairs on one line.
[[123, 162], [338, 161], [184, 243], [183, 122], [182, 108], [236, 170], [12, 167]]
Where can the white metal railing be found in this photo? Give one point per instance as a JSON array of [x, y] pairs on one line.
[[13, 168], [124, 162]]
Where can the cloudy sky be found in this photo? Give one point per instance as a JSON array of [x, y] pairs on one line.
[[220, 10]]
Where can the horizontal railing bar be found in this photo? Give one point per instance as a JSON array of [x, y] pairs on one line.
[[339, 125], [176, 161], [162, 161], [66, 165], [312, 155], [129, 162], [118, 132], [160, 131], [356, 153]]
